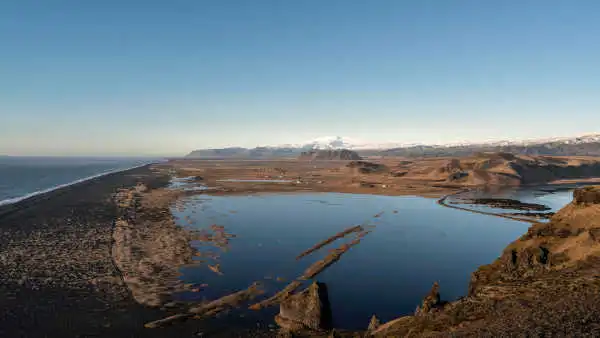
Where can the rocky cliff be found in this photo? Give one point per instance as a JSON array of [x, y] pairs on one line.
[[545, 283]]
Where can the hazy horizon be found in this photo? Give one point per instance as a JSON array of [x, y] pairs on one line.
[[162, 79]]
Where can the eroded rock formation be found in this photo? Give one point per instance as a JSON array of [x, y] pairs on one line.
[[306, 310]]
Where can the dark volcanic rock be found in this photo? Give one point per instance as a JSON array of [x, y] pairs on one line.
[[365, 167], [587, 195]]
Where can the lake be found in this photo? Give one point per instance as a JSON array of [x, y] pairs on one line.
[[414, 243]]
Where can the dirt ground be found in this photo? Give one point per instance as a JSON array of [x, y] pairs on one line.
[[322, 176], [428, 177]]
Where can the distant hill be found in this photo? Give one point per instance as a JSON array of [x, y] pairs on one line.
[[498, 169], [549, 149], [320, 155], [244, 153]]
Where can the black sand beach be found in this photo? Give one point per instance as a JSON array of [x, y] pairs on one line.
[[58, 277]]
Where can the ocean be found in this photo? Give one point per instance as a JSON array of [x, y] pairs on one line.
[[22, 177]]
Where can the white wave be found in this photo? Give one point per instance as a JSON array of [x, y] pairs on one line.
[[60, 186]]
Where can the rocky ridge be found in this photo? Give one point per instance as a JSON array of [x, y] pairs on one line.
[[504, 169], [546, 283]]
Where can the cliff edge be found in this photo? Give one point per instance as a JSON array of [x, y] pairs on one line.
[[545, 283]]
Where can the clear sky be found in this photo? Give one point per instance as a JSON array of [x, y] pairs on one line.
[[157, 77]]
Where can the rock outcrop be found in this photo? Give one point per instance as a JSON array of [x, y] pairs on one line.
[[373, 324], [431, 302], [308, 310], [364, 167], [588, 195]]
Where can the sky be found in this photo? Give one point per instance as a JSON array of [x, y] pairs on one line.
[[155, 77]]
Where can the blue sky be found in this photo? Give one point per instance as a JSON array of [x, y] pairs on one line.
[[165, 77]]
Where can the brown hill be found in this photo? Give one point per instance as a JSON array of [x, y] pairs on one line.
[[319, 155], [505, 169]]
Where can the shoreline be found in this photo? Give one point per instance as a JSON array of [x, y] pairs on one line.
[[59, 275], [442, 202], [27, 196]]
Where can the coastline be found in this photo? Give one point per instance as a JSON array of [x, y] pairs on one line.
[[59, 278], [30, 195]]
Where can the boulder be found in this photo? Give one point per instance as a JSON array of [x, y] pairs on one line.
[[306, 310]]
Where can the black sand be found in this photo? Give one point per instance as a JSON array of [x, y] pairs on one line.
[[57, 275]]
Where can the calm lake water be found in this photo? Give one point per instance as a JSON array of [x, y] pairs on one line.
[[387, 274]]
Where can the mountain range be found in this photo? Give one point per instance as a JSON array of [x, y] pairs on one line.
[[579, 145]]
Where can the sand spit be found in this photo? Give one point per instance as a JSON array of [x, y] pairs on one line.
[[515, 217], [148, 246], [339, 235], [212, 308], [335, 255], [313, 270]]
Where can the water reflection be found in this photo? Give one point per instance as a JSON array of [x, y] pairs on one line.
[[414, 242]]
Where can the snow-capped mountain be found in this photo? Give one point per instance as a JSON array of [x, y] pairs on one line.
[[330, 142], [578, 145], [590, 138], [340, 142]]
